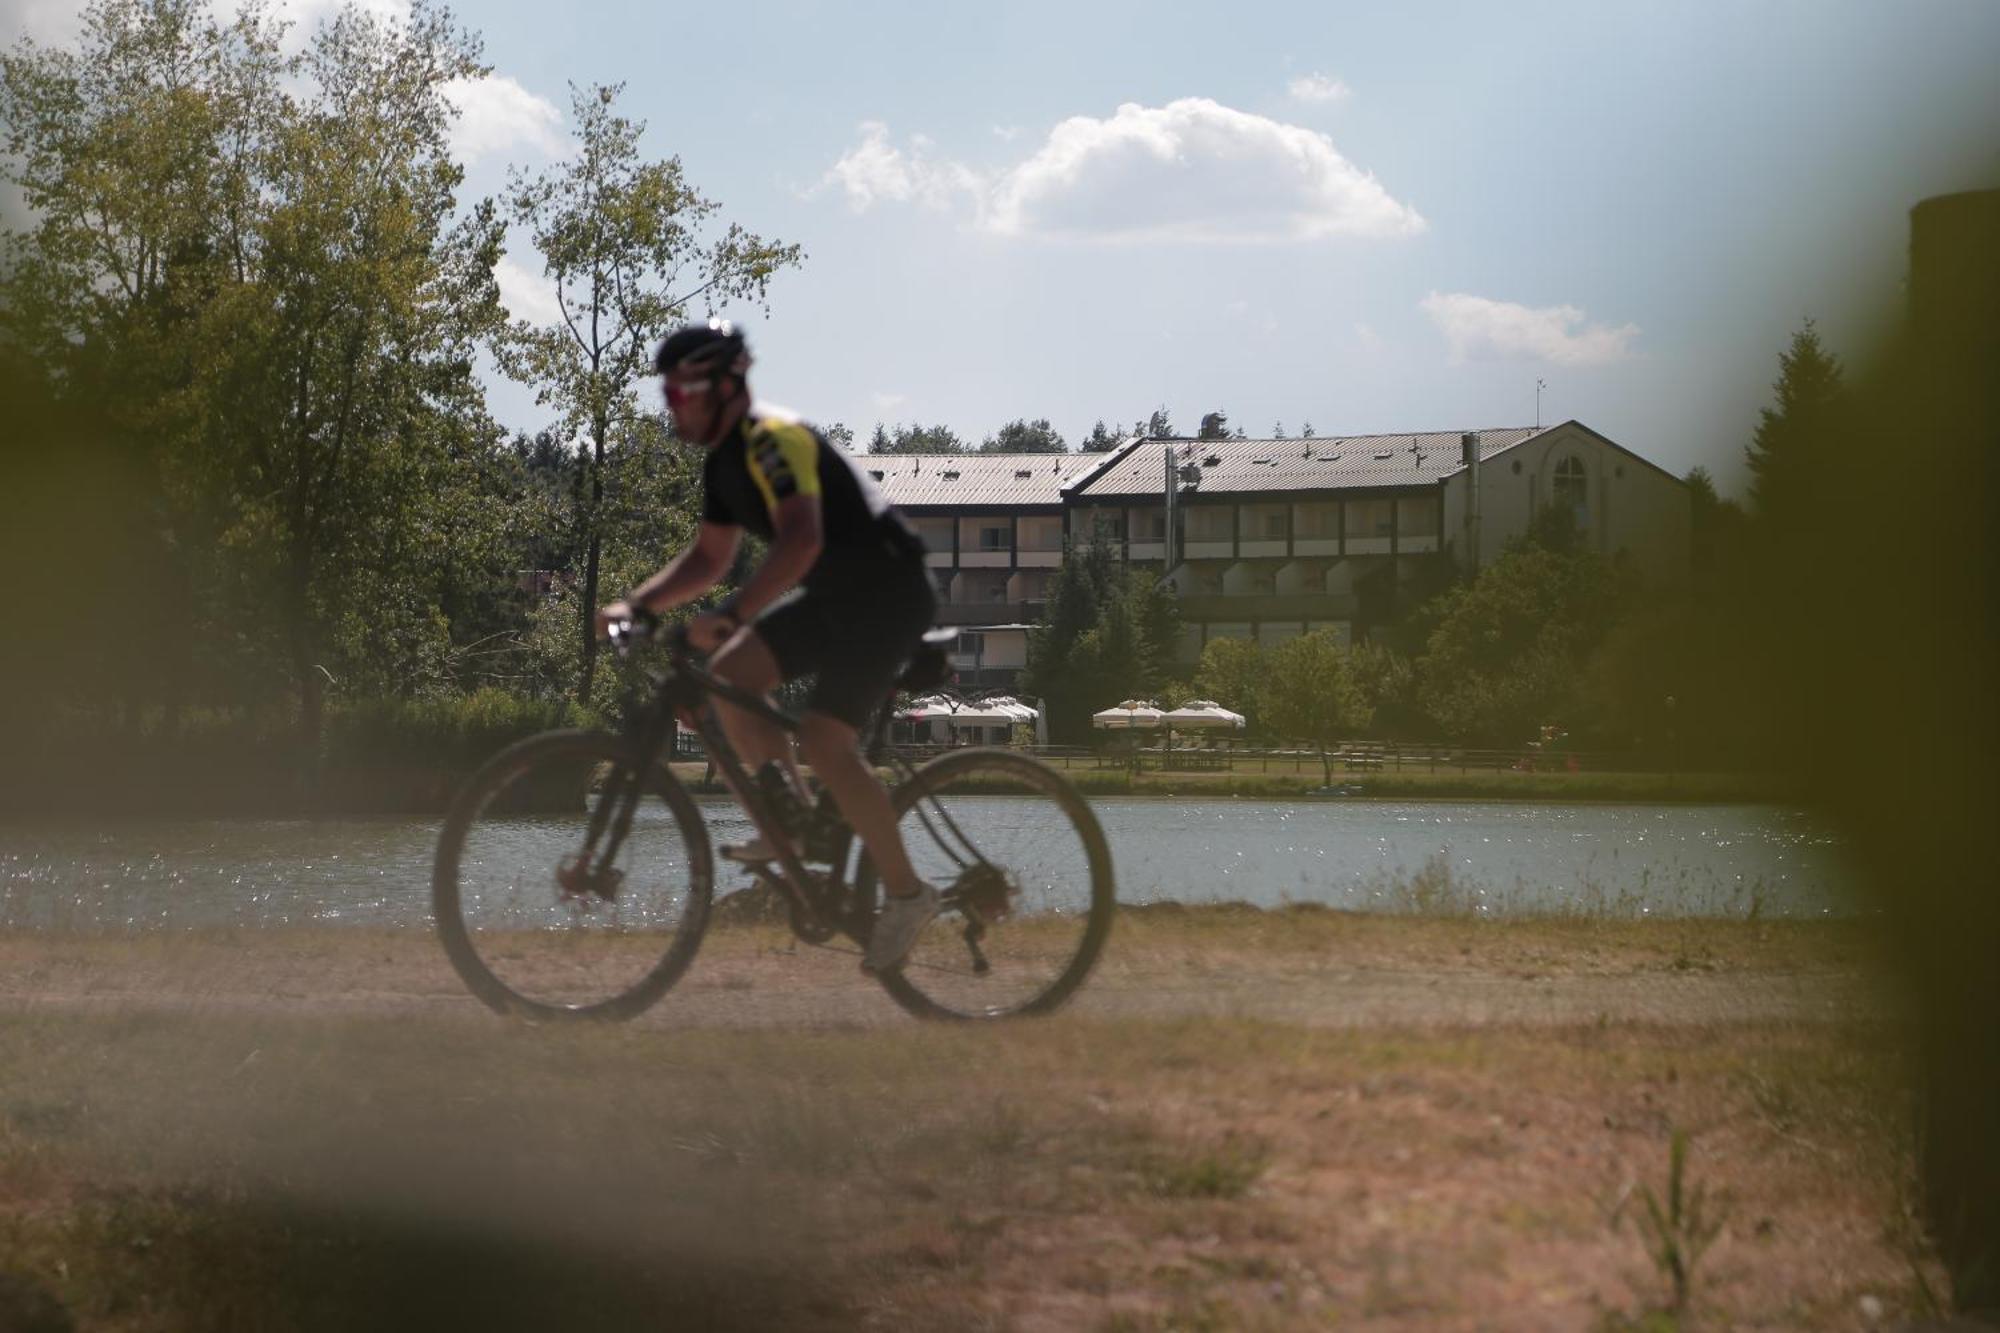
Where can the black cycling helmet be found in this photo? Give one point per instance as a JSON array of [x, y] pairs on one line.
[[716, 345]]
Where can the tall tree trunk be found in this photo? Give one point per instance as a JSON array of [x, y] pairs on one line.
[[594, 545], [306, 672]]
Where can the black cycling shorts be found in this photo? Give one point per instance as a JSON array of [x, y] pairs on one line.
[[853, 628]]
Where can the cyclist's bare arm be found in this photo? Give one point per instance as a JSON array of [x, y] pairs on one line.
[[688, 575]]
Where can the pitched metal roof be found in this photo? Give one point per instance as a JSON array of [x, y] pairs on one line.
[[916, 480], [1332, 462]]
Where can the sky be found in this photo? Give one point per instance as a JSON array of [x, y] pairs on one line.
[[1368, 218]]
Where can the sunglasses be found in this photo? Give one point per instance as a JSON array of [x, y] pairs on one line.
[[679, 393]]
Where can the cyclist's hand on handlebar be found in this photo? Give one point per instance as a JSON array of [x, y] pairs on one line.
[[613, 613]]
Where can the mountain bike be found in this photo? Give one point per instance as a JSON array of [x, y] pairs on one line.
[[574, 874]]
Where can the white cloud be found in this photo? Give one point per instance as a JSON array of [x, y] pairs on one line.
[[887, 403], [1193, 170], [527, 293], [874, 171], [1366, 335], [1317, 88], [1483, 330], [497, 117], [306, 15]]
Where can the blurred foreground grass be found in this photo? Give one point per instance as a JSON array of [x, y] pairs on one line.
[[194, 1161]]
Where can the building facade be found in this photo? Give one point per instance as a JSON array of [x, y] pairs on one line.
[[1270, 539]]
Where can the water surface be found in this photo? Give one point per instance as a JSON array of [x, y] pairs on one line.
[[1493, 858]]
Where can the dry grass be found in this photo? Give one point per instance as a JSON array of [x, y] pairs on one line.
[[216, 1164]]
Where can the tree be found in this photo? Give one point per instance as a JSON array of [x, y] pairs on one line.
[[1311, 694], [1107, 633], [629, 246], [840, 436], [1231, 672], [1508, 650], [1100, 440], [138, 155], [1025, 437], [1214, 426], [1278, 431], [1717, 530], [1158, 426], [1809, 412], [915, 439], [1306, 432]]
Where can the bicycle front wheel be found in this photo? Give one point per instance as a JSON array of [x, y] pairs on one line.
[[1026, 882], [552, 904]]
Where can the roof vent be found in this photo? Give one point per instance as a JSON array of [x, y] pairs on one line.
[[1329, 458], [1022, 474], [1383, 457], [1267, 462], [1213, 460], [875, 472], [951, 474]]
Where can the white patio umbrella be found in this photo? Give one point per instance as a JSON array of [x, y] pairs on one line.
[[1007, 703], [1203, 715], [1130, 715], [963, 713]]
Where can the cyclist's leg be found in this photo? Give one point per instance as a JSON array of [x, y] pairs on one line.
[[748, 664], [833, 748], [883, 618]]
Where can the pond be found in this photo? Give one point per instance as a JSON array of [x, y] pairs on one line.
[[1487, 857]]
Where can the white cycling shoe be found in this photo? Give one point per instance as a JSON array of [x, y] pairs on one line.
[[756, 852], [897, 926]]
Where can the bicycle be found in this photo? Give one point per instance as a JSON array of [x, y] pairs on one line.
[[545, 919]]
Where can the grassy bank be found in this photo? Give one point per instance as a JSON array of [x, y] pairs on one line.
[[339, 1157], [1693, 788]]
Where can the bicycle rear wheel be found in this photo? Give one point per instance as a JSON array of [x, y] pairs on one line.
[[528, 931], [1026, 880]]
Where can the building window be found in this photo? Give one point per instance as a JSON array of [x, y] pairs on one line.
[[1209, 523], [995, 537], [1149, 525], [1319, 522], [1572, 488], [1416, 518], [971, 644], [1369, 518]]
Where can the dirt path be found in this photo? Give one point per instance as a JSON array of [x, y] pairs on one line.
[[1345, 973]]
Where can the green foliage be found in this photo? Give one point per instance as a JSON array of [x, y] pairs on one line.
[[915, 440], [1810, 391], [1021, 436], [1311, 693], [1231, 672], [455, 732], [1100, 440], [1107, 634], [1679, 1230], [629, 245], [1508, 652]]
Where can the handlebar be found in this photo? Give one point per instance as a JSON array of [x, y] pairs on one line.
[[642, 626]]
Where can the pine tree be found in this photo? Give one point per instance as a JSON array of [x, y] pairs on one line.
[[1809, 389]]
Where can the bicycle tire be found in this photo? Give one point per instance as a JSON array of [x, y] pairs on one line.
[[520, 942], [1032, 823]]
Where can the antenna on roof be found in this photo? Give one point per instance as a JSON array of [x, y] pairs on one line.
[[1539, 386]]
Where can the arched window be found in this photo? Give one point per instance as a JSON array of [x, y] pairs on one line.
[[1572, 489]]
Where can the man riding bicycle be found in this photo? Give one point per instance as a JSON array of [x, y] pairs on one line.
[[842, 595]]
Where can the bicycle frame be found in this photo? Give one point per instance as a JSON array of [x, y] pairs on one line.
[[689, 689]]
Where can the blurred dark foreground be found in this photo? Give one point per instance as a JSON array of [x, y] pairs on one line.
[[1884, 577]]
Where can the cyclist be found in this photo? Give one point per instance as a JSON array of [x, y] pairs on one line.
[[842, 594]]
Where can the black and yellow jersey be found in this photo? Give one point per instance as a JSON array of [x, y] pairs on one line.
[[771, 456]]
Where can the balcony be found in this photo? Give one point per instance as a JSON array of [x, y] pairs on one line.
[[989, 613]]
